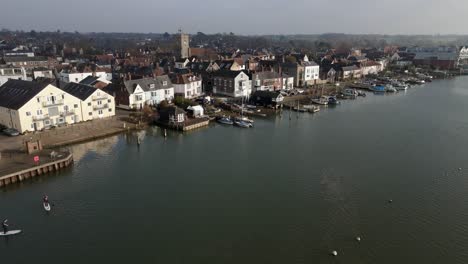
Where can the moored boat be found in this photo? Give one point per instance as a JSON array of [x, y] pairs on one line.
[[323, 100], [225, 120], [242, 124]]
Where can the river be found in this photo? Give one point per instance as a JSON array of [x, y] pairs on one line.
[[286, 191]]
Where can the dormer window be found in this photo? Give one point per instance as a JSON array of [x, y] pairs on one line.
[[152, 86], [165, 83]]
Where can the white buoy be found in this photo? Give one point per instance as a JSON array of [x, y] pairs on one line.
[[390, 201], [334, 253], [459, 168], [358, 239]]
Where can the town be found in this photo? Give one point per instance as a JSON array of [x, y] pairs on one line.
[[61, 82]]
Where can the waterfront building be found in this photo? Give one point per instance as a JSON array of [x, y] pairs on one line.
[[29, 106], [232, 83], [94, 103], [187, 85], [146, 91]]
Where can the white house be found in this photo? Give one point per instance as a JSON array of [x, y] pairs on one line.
[[94, 103], [73, 76], [8, 72], [311, 72], [187, 85], [30, 106], [42, 73], [232, 83], [147, 91]]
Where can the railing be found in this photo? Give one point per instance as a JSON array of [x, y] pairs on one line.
[[99, 97], [41, 117], [67, 113], [101, 106], [52, 103]]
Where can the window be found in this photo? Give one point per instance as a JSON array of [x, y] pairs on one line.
[[100, 112], [90, 113], [32, 126], [76, 106], [165, 83], [28, 113], [63, 96], [89, 104], [167, 92], [138, 97], [47, 122], [38, 100], [65, 108], [108, 100], [39, 112], [110, 109], [152, 86], [99, 102], [76, 79]]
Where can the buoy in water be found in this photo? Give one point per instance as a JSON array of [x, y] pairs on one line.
[[358, 239], [390, 201], [334, 253], [459, 169]]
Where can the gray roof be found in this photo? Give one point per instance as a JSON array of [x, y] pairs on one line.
[[80, 91], [23, 58], [350, 68], [266, 75], [149, 84], [16, 93], [90, 80], [309, 63], [436, 55]]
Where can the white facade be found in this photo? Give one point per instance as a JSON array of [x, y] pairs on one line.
[[288, 83], [14, 73], [311, 73], [98, 105], [50, 107], [79, 76], [189, 90], [240, 86], [139, 97], [43, 74]]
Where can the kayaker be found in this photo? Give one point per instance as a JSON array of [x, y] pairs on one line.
[[46, 199]]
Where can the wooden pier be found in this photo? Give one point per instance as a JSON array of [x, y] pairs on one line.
[[38, 170]]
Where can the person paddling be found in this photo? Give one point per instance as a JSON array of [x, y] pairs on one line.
[[5, 226], [46, 199]]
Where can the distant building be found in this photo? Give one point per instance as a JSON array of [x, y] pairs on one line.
[[8, 72], [444, 58], [42, 73], [76, 76]]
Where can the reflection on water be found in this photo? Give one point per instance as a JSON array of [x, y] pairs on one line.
[[101, 147]]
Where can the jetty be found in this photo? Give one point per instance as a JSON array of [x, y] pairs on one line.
[[17, 167]]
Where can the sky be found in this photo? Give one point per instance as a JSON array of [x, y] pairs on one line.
[[243, 17]]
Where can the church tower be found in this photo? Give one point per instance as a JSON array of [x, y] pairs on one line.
[[184, 45]]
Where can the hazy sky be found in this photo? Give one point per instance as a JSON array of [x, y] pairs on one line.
[[240, 17]]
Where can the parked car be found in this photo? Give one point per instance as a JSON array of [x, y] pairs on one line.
[[11, 132]]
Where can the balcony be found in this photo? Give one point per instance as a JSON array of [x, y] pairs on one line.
[[52, 103], [41, 117], [67, 113], [101, 106], [100, 97]]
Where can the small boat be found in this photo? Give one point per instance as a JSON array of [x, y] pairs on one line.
[[400, 86], [225, 120], [350, 93], [390, 89], [361, 93], [333, 101], [312, 108], [46, 206], [299, 109], [378, 88], [323, 100], [242, 124], [244, 118]]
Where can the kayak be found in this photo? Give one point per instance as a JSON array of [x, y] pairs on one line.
[[46, 206], [10, 233]]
